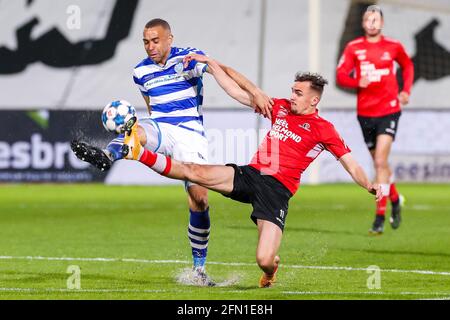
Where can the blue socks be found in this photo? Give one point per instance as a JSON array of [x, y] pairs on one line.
[[198, 233]]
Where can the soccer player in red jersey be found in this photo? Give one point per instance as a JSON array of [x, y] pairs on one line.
[[298, 135], [368, 64]]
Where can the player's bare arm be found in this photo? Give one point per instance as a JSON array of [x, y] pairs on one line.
[[359, 176], [261, 101], [407, 67], [227, 84]]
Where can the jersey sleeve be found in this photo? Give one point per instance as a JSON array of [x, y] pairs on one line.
[[345, 66], [139, 84], [407, 68], [333, 142], [275, 108]]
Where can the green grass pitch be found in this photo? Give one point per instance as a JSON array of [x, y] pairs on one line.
[[141, 232]]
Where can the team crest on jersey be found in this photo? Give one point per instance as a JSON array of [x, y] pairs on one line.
[[361, 54], [386, 56], [179, 68], [283, 112], [305, 126]]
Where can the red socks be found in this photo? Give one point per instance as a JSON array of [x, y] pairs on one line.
[[157, 162], [381, 206], [393, 194]]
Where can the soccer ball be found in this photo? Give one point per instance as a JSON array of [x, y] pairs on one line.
[[116, 114]]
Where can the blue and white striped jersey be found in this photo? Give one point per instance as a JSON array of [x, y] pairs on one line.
[[176, 93]]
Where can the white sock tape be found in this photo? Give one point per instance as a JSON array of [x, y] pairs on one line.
[[160, 164], [385, 188]]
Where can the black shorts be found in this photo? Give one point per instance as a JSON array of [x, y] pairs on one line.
[[372, 127], [268, 196]]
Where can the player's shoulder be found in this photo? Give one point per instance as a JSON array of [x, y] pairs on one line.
[[280, 107], [355, 42], [281, 102], [146, 66], [185, 51], [145, 62], [392, 43], [323, 123], [391, 40]]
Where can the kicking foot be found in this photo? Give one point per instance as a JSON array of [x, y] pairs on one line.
[[132, 149], [95, 156]]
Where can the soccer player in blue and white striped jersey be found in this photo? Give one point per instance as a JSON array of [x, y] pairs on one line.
[[174, 97]]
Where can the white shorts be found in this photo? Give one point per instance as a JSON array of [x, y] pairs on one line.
[[178, 143]]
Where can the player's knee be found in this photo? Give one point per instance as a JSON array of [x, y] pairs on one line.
[[200, 202], [198, 197], [201, 205], [142, 136]]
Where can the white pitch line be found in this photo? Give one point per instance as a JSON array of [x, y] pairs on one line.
[[336, 268], [443, 273], [79, 290], [441, 294]]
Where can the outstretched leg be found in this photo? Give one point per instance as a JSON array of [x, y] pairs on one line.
[[218, 178]]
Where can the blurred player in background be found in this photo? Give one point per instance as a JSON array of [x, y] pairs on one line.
[[368, 64], [298, 135], [173, 94]]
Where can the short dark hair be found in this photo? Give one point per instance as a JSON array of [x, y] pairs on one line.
[[158, 22], [375, 8], [317, 81]]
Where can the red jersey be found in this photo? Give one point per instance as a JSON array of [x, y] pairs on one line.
[[377, 62], [293, 142]]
